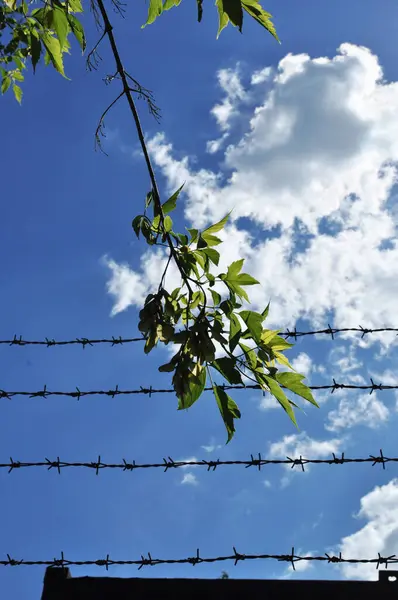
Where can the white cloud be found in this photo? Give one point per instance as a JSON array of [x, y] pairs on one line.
[[299, 566], [211, 447], [364, 409], [189, 479], [227, 109], [318, 161], [300, 444], [267, 483], [303, 364], [125, 285], [387, 377], [261, 76], [190, 459], [379, 534]]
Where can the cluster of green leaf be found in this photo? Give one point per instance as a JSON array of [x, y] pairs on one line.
[[32, 33], [205, 317], [228, 11], [216, 337]]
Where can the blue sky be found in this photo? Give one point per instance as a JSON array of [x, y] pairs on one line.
[[301, 139]]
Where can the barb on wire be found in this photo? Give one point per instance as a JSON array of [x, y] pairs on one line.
[[118, 341], [237, 557], [149, 391], [211, 465]]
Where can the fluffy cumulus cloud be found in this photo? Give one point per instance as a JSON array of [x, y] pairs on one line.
[[364, 409], [300, 444], [379, 534], [317, 164]]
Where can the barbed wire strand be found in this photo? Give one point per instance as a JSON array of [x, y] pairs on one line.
[[211, 465], [236, 557], [119, 341], [149, 391]]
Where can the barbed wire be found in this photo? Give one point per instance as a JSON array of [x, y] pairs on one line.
[[119, 341], [196, 559], [149, 391], [211, 465]]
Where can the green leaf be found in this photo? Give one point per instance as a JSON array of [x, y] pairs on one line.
[[35, 48], [216, 297], [228, 408], [234, 332], [267, 335], [250, 355], [222, 17], [196, 382], [182, 238], [279, 343], [171, 203], [59, 22], [170, 3], [75, 6], [293, 382], [77, 30], [279, 394], [54, 51], [168, 224], [255, 10], [234, 279], [281, 358], [17, 75], [200, 10], [265, 312], [213, 255], [194, 235], [12, 4], [226, 366], [150, 341], [211, 240], [254, 322], [221, 224], [155, 9], [17, 92], [234, 10], [5, 84], [136, 225]]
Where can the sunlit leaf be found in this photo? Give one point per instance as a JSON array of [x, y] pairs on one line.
[[155, 9], [196, 381], [293, 382], [279, 394], [77, 30], [253, 321], [255, 10], [217, 226], [53, 48], [59, 22], [171, 203], [17, 92]]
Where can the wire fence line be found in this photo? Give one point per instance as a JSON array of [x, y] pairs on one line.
[[149, 391], [211, 465], [196, 559], [119, 341]]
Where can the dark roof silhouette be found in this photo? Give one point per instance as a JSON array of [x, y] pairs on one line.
[[60, 585]]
